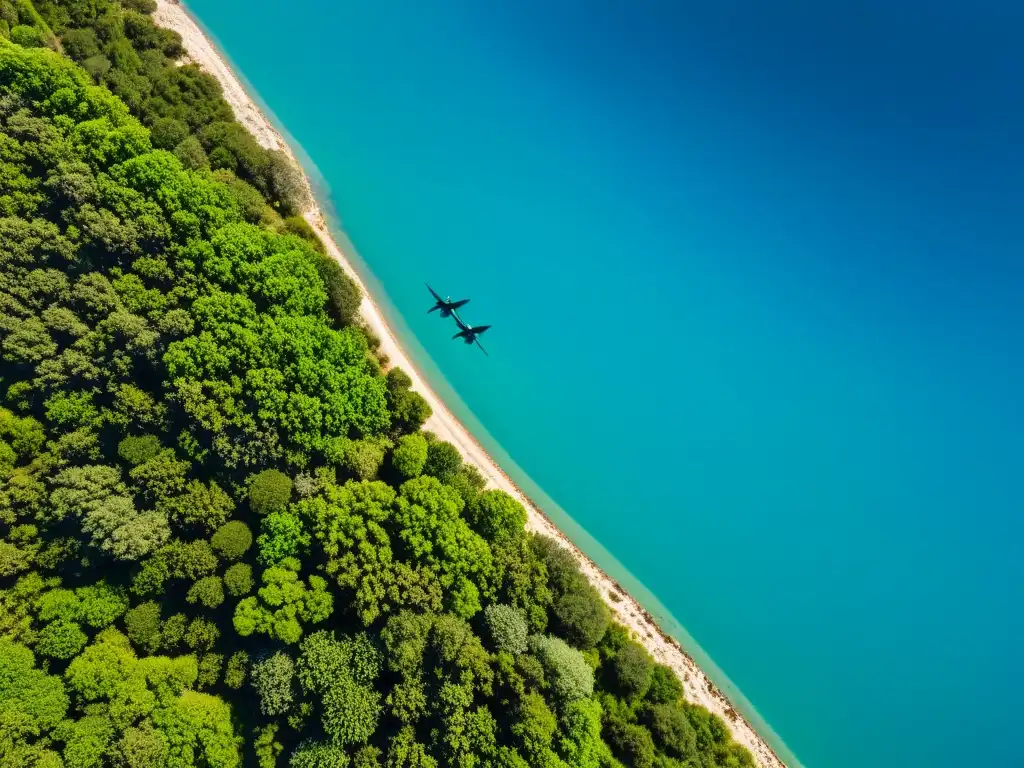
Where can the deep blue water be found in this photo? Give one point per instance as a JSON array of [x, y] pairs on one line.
[[755, 276]]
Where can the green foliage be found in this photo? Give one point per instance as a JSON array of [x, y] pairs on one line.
[[666, 687], [410, 455], [566, 669], [237, 670], [208, 592], [443, 461], [343, 294], [238, 579], [497, 516], [269, 491], [138, 450], [232, 540], [61, 639], [283, 604], [508, 628], [632, 669], [142, 625], [272, 678], [283, 536]]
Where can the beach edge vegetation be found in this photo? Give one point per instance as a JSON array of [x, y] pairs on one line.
[[224, 537]]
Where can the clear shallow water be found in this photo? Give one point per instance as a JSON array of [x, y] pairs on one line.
[[755, 279]]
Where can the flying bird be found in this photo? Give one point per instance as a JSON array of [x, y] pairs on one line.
[[447, 306], [469, 334]]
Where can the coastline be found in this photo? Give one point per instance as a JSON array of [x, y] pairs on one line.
[[625, 609]]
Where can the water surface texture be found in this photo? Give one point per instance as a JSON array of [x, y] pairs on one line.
[[755, 276]]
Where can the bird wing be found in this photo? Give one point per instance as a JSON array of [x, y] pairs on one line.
[[434, 293], [481, 346], [480, 328]]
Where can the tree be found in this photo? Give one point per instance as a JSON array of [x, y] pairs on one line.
[[138, 450], [318, 754], [237, 670], [343, 294], [666, 687], [672, 730], [272, 679], [269, 491], [283, 603], [443, 461], [283, 536], [566, 669], [142, 625], [497, 516], [410, 455], [61, 639], [232, 540], [208, 591], [238, 579], [581, 616], [632, 668], [508, 628]]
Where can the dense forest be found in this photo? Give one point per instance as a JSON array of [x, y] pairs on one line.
[[224, 537]]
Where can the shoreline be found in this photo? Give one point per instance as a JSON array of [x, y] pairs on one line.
[[625, 609]]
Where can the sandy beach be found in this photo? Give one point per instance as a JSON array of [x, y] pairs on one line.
[[625, 609]]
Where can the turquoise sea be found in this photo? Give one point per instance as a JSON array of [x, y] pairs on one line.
[[755, 277]]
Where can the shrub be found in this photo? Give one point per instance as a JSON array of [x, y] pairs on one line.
[[566, 669], [232, 540], [508, 628], [80, 44], [28, 37], [666, 687], [138, 450], [269, 491], [410, 455], [283, 536], [238, 579], [631, 743]]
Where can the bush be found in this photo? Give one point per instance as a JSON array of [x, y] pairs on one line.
[[631, 743], [410, 455], [272, 679], [97, 66], [232, 540], [138, 450], [565, 667], [142, 6], [508, 628], [238, 579], [283, 536], [208, 591], [443, 461], [361, 458], [269, 491]]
